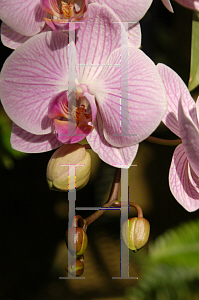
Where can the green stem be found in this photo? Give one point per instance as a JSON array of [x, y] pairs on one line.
[[112, 198], [132, 204], [156, 140]]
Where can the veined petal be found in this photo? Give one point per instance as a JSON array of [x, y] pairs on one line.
[[51, 7], [97, 37], [24, 141], [175, 88], [192, 4], [11, 38], [134, 35], [117, 157], [127, 11], [31, 76], [24, 17], [184, 184], [190, 137], [136, 97], [168, 5]]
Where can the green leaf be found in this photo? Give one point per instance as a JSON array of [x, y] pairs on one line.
[[194, 70], [171, 270], [178, 246]]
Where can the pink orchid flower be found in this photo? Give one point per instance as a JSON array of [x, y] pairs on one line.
[[182, 119], [191, 4], [23, 19], [34, 91]]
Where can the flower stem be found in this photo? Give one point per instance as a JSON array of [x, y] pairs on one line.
[[112, 198], [132, 204], [86, 146], [156, 140]]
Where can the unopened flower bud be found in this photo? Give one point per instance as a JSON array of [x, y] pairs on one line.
[[76, 267], [76, 240], [69, 156], [135, 233]]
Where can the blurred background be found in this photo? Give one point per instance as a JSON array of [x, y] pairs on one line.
[[34, 219]]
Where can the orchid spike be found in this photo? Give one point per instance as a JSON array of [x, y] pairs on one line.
[[182, 119]]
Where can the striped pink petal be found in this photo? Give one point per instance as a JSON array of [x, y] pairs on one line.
[[143, 101], [11, 38], [134, 34], [24, 141], [31, 76], [183, 182], [175, 88], [24, 17], [127, 11], [117, 157], [190, 137], [97, 37]]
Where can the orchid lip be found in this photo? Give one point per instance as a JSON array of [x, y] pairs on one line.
[[73, 115]]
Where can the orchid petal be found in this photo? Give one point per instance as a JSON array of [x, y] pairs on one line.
[[127, 10], [190, 137], [191, 4], [168, 5], [93, 47], [31, 76], [11, 38], [24, 141], [144, 102], [51, 7], [184, 184], [117, 157], [134, 34], [175, 88], [24, 17], [197, 112]]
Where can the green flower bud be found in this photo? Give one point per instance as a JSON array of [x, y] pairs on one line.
[[76, 268], [76, 240], [71, 154], [135, 233]]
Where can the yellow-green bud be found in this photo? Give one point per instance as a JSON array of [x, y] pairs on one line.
[[76, 268], [71, 154], [135, 233], [76, 240]]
